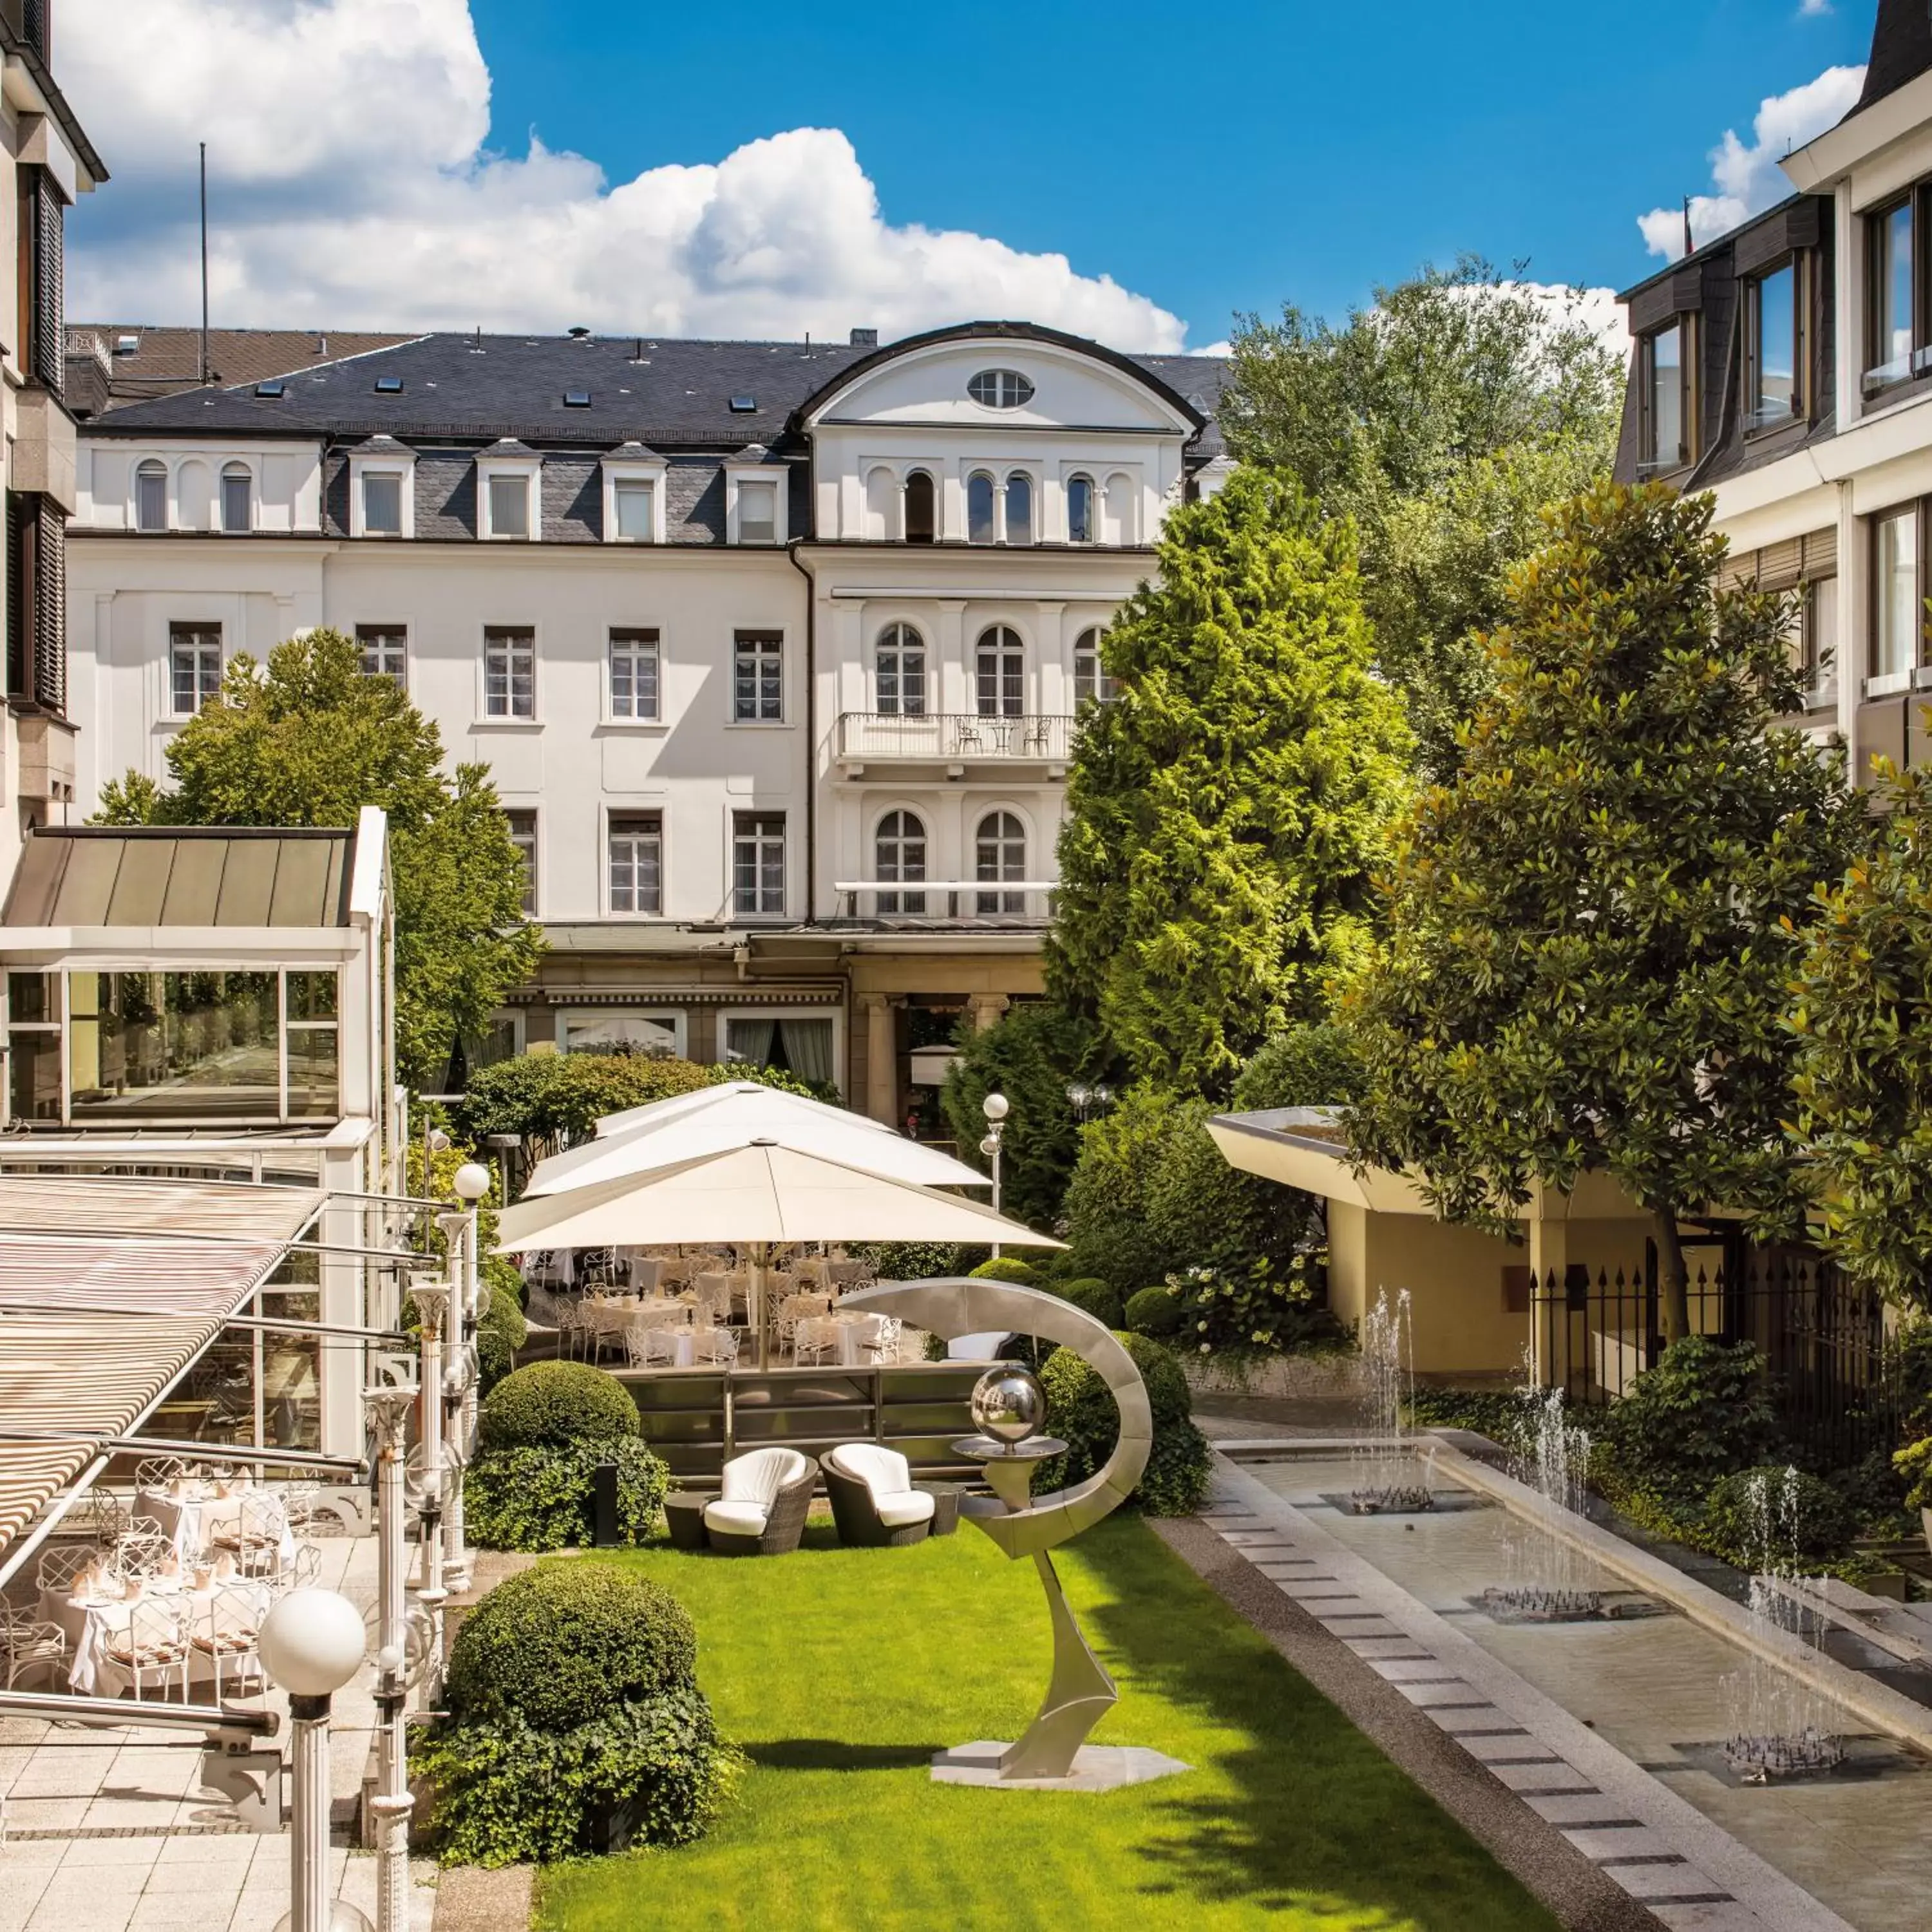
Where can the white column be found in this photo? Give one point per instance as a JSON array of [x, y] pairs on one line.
[[953, 671], [392, 1803], [882, 1081], [1851, 648], [308, 1825], [459, 1410]]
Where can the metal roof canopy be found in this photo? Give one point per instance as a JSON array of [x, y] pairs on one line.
[[96, 1328]]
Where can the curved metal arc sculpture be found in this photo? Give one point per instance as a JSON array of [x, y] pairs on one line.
[[1080, 1692]]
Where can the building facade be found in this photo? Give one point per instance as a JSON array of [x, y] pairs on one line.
[[776, 652], [1786, 366], [46, 162]]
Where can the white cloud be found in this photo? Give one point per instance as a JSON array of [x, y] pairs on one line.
[[350, 187], [1810, 9], [1598, 309], [1747, 179]]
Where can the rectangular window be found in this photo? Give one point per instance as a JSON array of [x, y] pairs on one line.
[[1892, 288], [758, 862], [150, 496], [758, 677], [382, 503], [1895, 610], [34, 1046], [634, 499], [1814, 638], [637, 863], [802, 1045], [634, 674], [757, 512], [311, 1002], [509, 506], [1775, 347], [1665, 400], [524, 836], [178, 1046], [509, 672], [194, 667], [385, 652]]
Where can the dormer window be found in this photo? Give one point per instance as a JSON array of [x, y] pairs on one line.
[[1776, 345], [634, 481], [1666, 398], [381, 492], [509, 477], [509, 506], [755, 498], [1000, 389], [382, 503], [1893, 328], [757, 512]]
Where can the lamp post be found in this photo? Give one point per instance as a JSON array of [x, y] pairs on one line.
[[993, 1106], [432, 1300], [311, 1644], [389, 1409], [472, 1182]]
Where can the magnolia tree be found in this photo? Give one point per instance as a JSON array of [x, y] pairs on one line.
[[1226, 811], [306, 739], [1862, 1020], [1592, 930]]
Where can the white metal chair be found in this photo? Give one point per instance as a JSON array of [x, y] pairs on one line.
[[718, 1346], [255, 1536], [156, 1472], [139, 1553], [31, 1643], [883, 1344], [62, 1565], [151, 1647], [815, 1338], [101, 1515], [224, 1630]]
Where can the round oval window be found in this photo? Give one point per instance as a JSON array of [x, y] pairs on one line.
[[1001, 389]]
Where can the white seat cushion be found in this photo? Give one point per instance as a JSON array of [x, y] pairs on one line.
[[736, 1519], [884, 1472], [758, 1477], [909, 1506]]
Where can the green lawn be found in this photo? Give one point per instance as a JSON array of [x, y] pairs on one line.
[[840, 1671]]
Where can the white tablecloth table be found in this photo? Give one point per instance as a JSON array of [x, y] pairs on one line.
[[189, 1522], [90, 1624]]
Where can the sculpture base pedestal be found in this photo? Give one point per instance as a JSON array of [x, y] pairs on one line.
[[1096, 1768]]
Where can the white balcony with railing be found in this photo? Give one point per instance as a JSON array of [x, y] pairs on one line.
[[953, 738], [946, 902]]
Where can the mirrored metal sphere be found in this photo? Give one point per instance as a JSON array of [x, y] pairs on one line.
[[1008, 1404]]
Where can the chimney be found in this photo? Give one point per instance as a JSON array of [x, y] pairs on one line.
[[865, 338]]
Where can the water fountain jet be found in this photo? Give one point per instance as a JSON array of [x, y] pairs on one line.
[[1389, 1478]]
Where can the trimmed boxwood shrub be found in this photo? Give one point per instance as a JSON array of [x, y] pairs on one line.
[[572, 1693], [499, 1336], [1769, 1515], [1096, 1297], [1155, 1312], [538, 1499], [1080, 1410], [1008, 1268], [558, 1644], [555, 1405], [1705, 1411]]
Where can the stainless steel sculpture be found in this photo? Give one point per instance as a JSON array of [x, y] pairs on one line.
[[1080, 1692]]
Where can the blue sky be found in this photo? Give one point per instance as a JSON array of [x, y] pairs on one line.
[[764, 170], [1263, 152]]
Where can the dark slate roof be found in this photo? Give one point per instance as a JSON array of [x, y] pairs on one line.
[[152, 875], [1901, 49], [164, 362], [662, 392]]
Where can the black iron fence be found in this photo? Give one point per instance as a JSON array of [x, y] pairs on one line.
[[1825, 1339]]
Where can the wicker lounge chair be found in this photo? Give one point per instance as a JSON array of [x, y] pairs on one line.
[[762, 1509], [874, 1501]]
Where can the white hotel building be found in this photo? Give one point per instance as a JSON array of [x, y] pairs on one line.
[[776, 651]]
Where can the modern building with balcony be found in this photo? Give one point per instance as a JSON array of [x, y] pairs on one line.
[[777, 651], [1786, 366]]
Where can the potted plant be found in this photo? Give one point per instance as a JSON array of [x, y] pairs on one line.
[[1914, 1462]]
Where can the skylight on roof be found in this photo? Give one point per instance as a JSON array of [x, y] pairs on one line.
[[389, 386], [576, 399], [127, 345], [274, 390], [744, 405]]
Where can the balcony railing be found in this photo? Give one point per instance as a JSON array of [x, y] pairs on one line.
[[954, 737], [947, 902]]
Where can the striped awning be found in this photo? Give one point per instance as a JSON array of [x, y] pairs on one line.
[[109, 1292]]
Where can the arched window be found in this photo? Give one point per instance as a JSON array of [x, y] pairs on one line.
[[999, 673], [899, 852], [1019, 508], [1080, 509], [238, 497], [901, 672], [1090, 679], [920, 526], [1001, 854], [979, 508], [150, 495]]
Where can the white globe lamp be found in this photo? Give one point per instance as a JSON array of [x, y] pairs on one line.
[[993, 1106], [473, 1180]]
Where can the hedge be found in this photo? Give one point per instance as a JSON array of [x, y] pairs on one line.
[[1080, 1410], [1008, 1268], [540, 1498], [1096, 1297], [1156, 1312], [556, 1405]]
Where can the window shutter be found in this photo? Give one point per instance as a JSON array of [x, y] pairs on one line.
[[49, 642], [18, 565], [49, 361], [1780, 565], [1821, 553]]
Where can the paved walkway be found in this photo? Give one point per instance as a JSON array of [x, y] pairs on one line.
[[1691, 1875], [113, 1830]]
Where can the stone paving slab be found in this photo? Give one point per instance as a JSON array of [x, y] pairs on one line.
[[1657, 1847]]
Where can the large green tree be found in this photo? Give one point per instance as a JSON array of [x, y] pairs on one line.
[[1591, 931], [1227, 809], [1862, 1017], [1442, 419], [306, 739]]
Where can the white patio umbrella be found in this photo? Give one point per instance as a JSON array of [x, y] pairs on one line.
[[751, 1113], [681, 1106], [762, 1195]]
